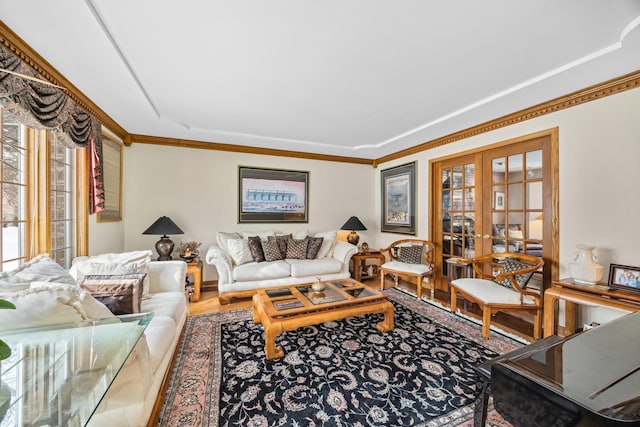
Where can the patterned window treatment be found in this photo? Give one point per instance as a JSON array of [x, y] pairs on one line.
[[43, 106]]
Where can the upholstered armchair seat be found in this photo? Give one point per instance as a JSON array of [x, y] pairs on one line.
[[418, 269], [488, 292]]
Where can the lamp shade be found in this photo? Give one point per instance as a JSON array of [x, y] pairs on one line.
[[353, 224], [163, 226]]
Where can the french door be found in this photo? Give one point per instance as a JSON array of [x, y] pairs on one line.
[[499, 199]]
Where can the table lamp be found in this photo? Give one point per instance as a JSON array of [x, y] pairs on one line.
[[353, 224], [164, 226]]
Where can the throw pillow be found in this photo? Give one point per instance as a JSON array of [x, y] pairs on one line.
[[255, 246], [239, 251], [114, 263], [122, 294], [326, 250], [513, 265], [222, 238], [271, 250], [281, 240], [41, 268], [313, 246], [411, 254], [297, 249], [264, 235]]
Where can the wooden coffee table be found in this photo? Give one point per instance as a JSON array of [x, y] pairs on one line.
[[287, 308]]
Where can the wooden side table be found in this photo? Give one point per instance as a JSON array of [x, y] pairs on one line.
[[360, 265], [573, 294], [195, 269]]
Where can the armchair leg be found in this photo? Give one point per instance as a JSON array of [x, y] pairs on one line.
[[382, 280], [537, 325], [486, 322], [454, 300], [419, 287]]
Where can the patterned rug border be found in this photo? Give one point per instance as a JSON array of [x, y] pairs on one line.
[[451, 321]]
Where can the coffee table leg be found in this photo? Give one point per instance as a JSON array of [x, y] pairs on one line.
[[271, 331], [387, 324], [257, 314]]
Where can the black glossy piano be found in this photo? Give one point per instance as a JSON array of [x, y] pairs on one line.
[[588, 379]]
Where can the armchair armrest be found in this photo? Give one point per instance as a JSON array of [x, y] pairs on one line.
[[343, 252], [222, 262], [167, 276]]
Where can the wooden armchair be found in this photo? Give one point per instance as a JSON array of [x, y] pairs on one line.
[[412, 258], [500, 284]]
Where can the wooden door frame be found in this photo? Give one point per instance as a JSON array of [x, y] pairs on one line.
[[550, 196]]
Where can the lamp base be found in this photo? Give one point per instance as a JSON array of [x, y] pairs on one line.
[[164, 247], [353, 238]]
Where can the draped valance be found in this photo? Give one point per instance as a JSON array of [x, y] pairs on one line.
[[44, 106]]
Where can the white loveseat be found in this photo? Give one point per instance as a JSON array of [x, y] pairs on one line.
[[240, 276], [132, 396]]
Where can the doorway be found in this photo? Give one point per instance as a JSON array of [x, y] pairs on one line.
[[499, 198]]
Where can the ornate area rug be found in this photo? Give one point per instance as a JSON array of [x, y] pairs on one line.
[[342, 373]]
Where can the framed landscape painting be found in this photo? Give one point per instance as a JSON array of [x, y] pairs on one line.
[[398, 199], [272, 195]]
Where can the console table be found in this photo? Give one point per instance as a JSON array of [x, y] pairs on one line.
[[58, 374], [592, 295]]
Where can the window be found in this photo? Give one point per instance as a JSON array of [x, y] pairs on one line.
[[43, 209], [13, 187]]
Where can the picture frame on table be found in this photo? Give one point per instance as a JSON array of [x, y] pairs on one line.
[[624, 277], [272, 195], [398, 199]]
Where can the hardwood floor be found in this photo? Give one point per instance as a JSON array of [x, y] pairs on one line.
[[517, 323]]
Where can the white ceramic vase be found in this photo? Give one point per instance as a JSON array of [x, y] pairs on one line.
[[584, 268]]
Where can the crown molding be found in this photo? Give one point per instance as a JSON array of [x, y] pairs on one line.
[[185, 143], [21, 49], [12, 42], [591, 93]]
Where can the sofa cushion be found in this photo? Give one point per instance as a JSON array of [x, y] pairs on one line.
[[159, 335], [261, 271], [40, 269], [404, 267], [314, 267], [271, 251], [122, 294], [255, 246], [315, 243], [239, 251], [112, 264], [297, 249], [171, 304]]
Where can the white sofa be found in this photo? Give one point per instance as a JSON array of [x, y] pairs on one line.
[[242, 280], [132, 396]]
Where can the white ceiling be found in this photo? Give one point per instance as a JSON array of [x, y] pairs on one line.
[[358, 78]]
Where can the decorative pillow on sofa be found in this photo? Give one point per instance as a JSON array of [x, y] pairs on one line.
[[47, 303], [281, 240], [41, 268], [313, 247], [411, 254], [222, 238], [255, 246], [122, 294], [112, 264], [328, 243], [271, 250], [239, 251], [297, 249]]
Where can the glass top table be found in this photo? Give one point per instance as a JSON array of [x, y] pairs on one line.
[[57, 375]]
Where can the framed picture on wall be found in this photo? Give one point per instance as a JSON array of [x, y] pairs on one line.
[[498, 200], [272, 195], [112, 180], [398, 199]]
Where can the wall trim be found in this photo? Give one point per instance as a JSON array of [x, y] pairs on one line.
[[185, 143], [591, 93]]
